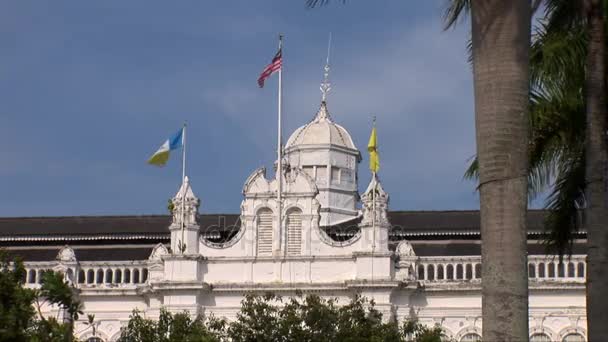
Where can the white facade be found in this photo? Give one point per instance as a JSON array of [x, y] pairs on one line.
[[195, 273]]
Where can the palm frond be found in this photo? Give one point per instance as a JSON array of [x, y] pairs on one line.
[[454, 12], [564, 215], [315, 3]]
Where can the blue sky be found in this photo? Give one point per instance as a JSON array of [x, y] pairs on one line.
[[89, 89]]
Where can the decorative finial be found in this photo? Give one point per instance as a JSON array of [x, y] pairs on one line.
[[325, 85]]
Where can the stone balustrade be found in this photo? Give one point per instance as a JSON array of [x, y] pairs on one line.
[[92, 274], [468, 268]]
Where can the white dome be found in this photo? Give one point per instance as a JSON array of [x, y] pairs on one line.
[[321, 131]]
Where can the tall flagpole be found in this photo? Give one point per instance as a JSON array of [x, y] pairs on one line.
[[182, 249], [280, 146]]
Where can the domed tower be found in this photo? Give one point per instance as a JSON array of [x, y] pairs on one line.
[[326, 152]]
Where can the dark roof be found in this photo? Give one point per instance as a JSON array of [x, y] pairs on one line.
[[100, 225], [450, 221], [456, 248], [85, 254]]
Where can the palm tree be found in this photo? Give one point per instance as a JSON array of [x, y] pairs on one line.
[[500, 34], [500, 51], [596, 149], [568, 94]]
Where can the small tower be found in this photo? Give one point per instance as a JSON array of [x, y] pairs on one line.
[[375, 224], [184, 228]]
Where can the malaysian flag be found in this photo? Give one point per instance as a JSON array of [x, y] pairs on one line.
[[271, 68]]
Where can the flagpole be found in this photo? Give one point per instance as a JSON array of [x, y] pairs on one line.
[[183, 185], [280, 146]]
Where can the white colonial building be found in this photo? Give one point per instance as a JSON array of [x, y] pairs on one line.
[[330, 242]]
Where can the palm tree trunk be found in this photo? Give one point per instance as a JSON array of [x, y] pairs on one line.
[[596, 212], [500, 46]]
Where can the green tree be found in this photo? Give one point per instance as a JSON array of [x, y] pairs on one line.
[[17, 314], [179, 327], [271, 318], [19, 319]]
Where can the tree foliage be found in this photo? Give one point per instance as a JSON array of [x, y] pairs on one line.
[[557, 114], [20, 315], [271, 318]]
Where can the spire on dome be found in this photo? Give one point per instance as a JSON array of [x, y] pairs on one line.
[[325, 85]]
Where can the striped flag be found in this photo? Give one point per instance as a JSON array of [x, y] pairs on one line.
[[271, 68], [160, 157]]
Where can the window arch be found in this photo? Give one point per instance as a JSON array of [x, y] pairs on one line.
[[540, 337], [541, 270], [294, 231], [31, 276], [90, 277], [459, 272], [531, 271], [571, 273], [469, 271], [264, 231], [573, 337], [471, 337], [81, 277], [136, 276], [450, 272], [561, 270], [421, 272], [580, 272], [430, 272], [440, 275], [118, 276], [477, 271], [127, 276], [108, 276], [551, 270]]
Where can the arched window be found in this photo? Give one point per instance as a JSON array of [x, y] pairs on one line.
[[430, 272], [580, 272], [99, 279], [294, 232], [471, 337], [450, 272], [127, 276], [144, 275], [440, 275], [540, 337], [118, 276], [561, 270], [90, 277], [420, 272], [531, 271], [136, 276], [31, 277], [541, 270], [108, 276], [265, 222], [40, 273], [459, 271], [571, 272], [551, 270], [574, 337], [81, 277], [478, 271], [469, 271]]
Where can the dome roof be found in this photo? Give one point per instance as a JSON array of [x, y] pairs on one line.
[[321, 130]]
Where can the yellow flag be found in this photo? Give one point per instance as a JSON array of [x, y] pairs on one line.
[[372, 148]]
